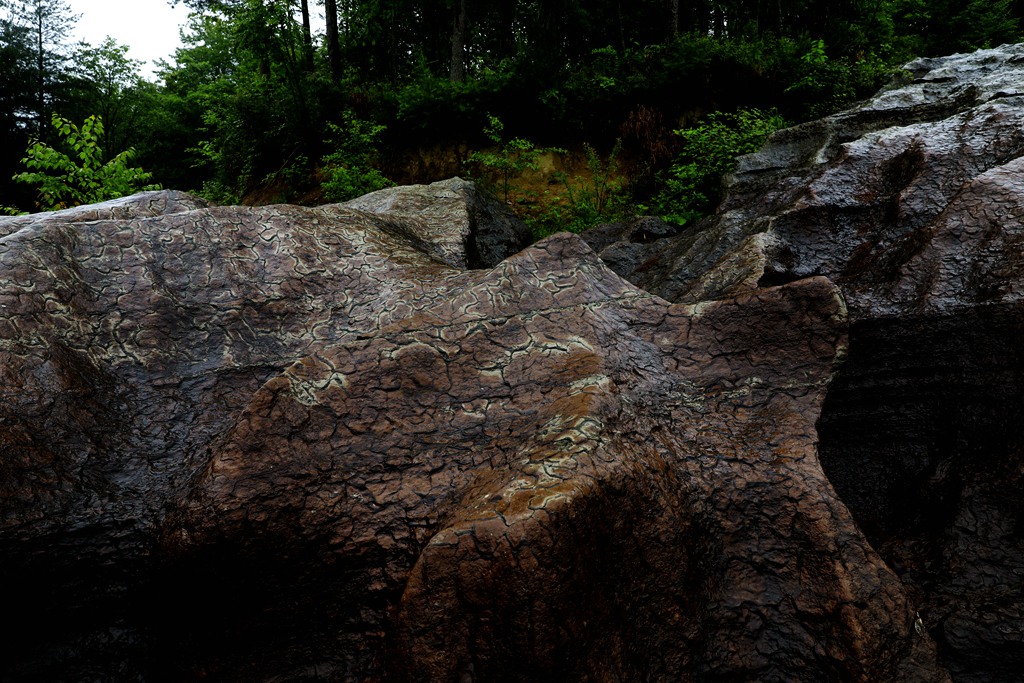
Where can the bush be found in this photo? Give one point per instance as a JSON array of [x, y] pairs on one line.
[[584, 200], [825, 85], [598, 198], [349, 171], [64, 181], [509, 158], [693, 185]]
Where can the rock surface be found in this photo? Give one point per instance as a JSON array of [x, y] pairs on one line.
[[290, 444], [471, 228], [627, 245], [912, 203], [375, 443]]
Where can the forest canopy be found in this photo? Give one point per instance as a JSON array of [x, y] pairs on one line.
[[273, 100]]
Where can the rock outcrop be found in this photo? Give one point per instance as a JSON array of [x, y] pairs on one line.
[[380, 442], [912, 204], [472, 228], [301, 444]]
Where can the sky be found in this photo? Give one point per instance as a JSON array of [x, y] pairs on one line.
[[148, 27]]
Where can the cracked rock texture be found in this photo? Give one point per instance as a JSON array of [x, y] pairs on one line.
[[288, 444], [381, 442], [912, 204]]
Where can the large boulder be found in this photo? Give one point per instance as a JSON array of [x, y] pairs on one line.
[[277, 443], [470, 227], [913, 205]]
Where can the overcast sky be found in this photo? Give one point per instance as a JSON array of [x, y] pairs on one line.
[[148, 27]]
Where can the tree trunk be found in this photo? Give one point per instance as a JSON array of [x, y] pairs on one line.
[[458, 71], [622, 25], [507, 31], [673, 23], [333, 44], [307, 36], [40, 75], [701, 18]]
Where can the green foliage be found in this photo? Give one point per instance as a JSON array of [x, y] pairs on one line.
[[692, 186], [80, 177], [112, 89], [50, 24], [242, 99], [247, 100], [597, 197], [987, 23], [349, 170], [825, 84], [509, 158], [433, 106], [594, 195]]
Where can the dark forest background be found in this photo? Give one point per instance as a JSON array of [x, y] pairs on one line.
[[573, 111]]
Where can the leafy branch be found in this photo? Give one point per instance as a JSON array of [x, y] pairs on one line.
[[80, 177]]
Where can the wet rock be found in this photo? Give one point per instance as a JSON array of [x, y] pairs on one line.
[[912, 204], [471, 227], [627, 245], [280, 443], [137, 206]]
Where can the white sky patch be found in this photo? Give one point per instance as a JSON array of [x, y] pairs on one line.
[[148, 27]]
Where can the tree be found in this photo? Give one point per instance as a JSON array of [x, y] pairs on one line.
[[987, 23], [458, 70], [307, 35], [110, 86], [16, 74], [333, 41], [241, 87], [49, 23], [17, 101]]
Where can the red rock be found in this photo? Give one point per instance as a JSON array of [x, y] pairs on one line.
[[259, 443]]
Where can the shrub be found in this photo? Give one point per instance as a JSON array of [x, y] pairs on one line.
[[349, 171], [599, 197], [510, 158], [693, 185], [65, 181]]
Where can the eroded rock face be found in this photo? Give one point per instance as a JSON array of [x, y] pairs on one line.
[[471, 228], [626, 246], [301, 444], [912, 204]]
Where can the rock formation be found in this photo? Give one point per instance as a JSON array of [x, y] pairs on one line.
[[132, 334], [912, 204], [472, 228], [285, 443], [379, 442]]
